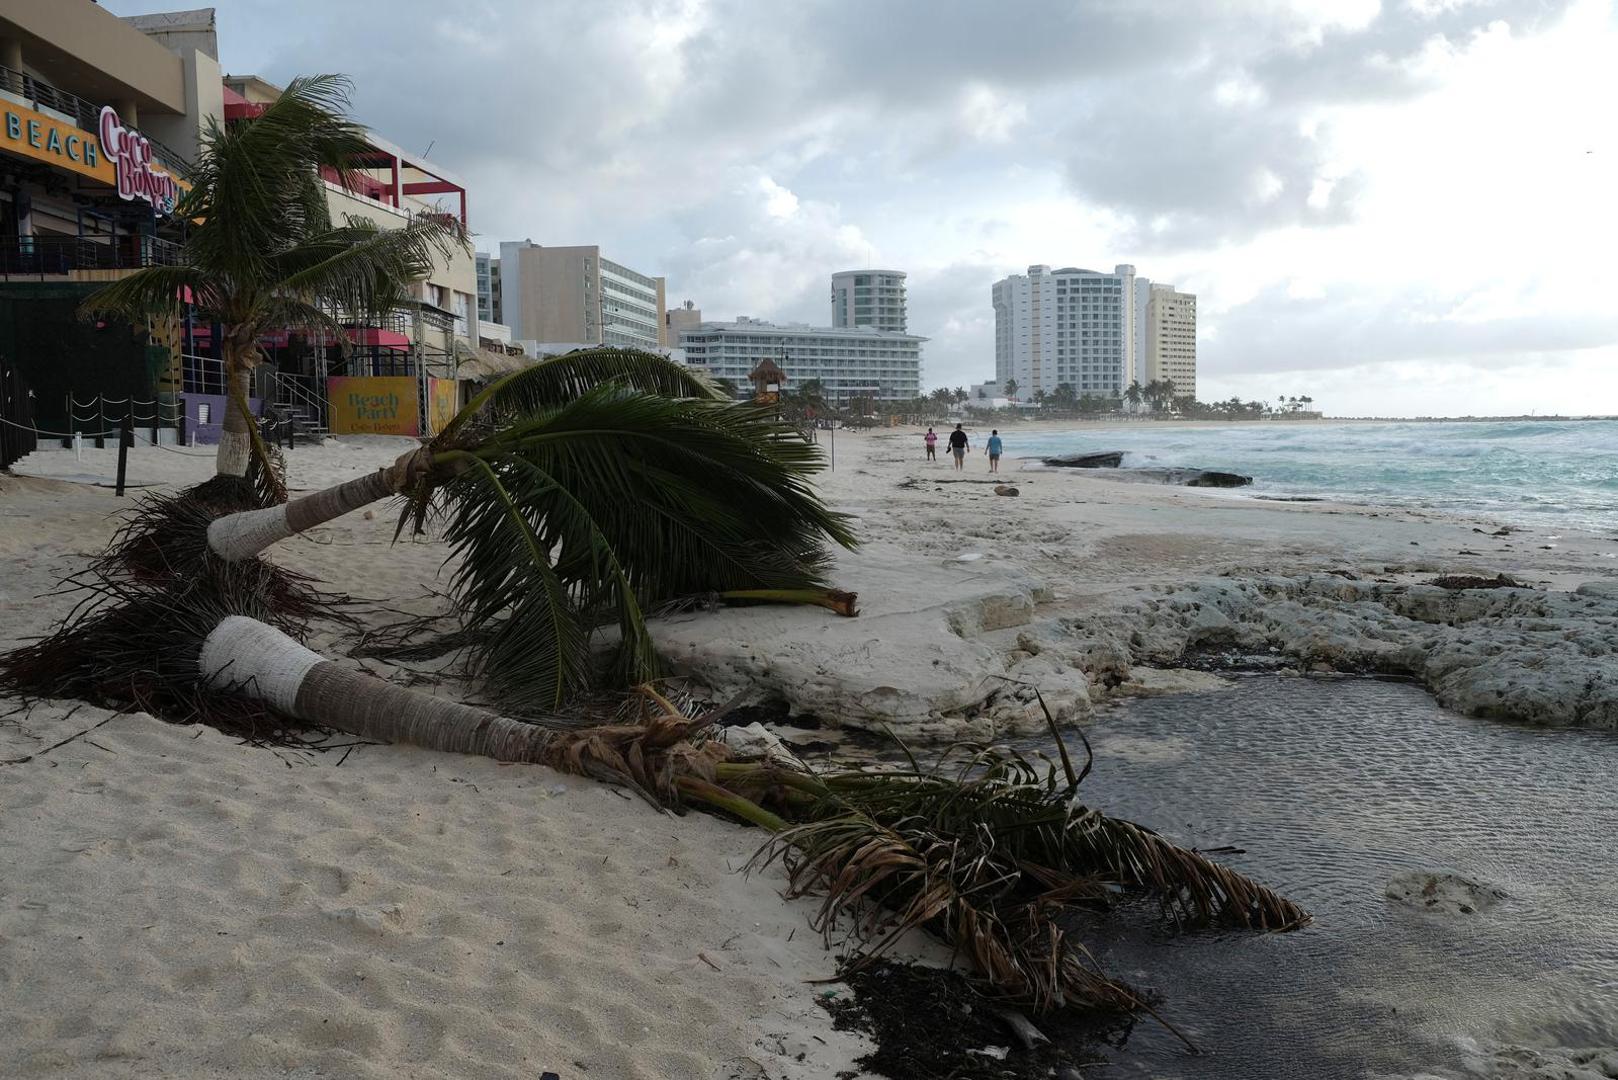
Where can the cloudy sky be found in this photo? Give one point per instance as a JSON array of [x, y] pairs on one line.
[[1397, 207]]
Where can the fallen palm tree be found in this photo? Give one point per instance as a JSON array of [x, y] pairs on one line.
[[574, 496], [990, 856]]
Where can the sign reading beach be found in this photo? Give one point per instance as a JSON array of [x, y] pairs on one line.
[[374, 405]]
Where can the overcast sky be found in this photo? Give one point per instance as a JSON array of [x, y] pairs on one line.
[[1404, 207]]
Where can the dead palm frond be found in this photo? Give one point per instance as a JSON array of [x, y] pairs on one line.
[[988, 856]]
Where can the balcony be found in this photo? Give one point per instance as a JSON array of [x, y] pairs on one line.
[[46, 98], [45, 256]]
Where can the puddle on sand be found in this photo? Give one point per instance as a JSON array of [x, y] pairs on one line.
[[1333, 786]]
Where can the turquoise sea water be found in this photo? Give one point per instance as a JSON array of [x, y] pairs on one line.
[[1547, 473]]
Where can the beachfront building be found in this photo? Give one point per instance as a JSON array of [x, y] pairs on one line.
[[879, 365], [99, 119], [1070, 326], [874, 299], [488, 273], [553, 294], [413, 353], [1171, 339], [678, 320]]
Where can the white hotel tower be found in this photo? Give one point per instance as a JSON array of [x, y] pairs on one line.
[[1067, 326]]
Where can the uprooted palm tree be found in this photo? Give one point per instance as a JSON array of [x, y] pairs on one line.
[[574, 495], [262, 252], [989, 856]]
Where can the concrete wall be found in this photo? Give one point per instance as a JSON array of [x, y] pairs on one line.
[[91, 52], [207, 434]]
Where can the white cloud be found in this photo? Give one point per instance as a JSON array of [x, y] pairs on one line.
[[1372, 199]]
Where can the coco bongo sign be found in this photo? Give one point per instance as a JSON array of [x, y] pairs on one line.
[[131, 154]]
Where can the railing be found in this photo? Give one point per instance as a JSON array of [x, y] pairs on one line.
[[296, 393], [47, 255], [202, 374], [86, 114]]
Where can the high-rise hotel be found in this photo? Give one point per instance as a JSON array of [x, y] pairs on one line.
[[1096, 332], [1066, 326]]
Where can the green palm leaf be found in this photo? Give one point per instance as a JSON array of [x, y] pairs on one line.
[[560, 379], [630, 499]]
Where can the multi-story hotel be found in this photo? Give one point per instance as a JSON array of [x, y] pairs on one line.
[[874, 299], [572, 294], [1171, 339], [1070, 326], [850, 363]]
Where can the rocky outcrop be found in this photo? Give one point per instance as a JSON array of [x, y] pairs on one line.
[[1211, 478], [1547, 658], [1105, 459], [963, 658]]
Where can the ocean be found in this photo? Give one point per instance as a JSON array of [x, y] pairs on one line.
[[1560, 474]]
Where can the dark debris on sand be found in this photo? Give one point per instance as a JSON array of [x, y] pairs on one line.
[[929, 1024]]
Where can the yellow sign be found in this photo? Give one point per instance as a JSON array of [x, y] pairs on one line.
[[67, 146], [442, 398], [373, 405]]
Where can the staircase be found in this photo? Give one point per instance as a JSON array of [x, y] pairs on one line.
[[293, 399]]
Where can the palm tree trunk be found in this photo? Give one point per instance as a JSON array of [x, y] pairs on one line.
[[235, 434], [256, 660], [242, 535]]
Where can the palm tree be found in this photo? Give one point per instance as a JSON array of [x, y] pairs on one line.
[[961, 395], [1134, 395], [582, 490], [263, 253], [1011, 389], [1039, 397]]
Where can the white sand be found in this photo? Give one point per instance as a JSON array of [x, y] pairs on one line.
[[173, 904]]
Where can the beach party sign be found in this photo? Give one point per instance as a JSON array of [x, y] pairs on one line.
[[373, 405]]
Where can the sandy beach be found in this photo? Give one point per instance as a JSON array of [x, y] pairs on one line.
[[178, 905]]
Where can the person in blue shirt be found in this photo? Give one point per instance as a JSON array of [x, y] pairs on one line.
[[994, 450]]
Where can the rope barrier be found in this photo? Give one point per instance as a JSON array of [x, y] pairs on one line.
[[58, 434]]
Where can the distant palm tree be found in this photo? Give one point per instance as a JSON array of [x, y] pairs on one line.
[[1011, 389], [263, 254], [1039, 397], [1134, 395]]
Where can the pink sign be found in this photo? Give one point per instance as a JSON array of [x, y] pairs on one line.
[[131, 153]]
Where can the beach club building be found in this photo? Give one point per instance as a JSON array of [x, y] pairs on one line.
[[98, 121], [851, 363], [100, 117]]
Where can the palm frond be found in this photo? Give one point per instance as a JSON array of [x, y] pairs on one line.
[[153, 292], [988, 855], [363, 268], [561, 379], [257, 186], [532, 646]]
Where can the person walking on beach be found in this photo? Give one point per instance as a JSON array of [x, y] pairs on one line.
[[931, 439], [958, 447], [993, 447]]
